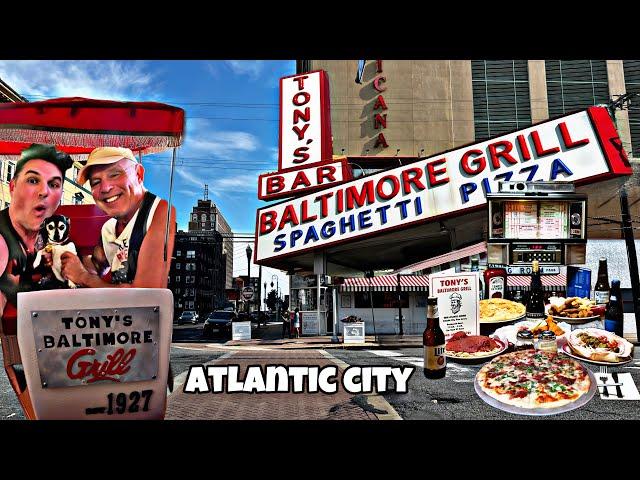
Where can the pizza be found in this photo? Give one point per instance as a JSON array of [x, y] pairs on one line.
[[532, 379], [500, 310], [599, 345], [461, 345]]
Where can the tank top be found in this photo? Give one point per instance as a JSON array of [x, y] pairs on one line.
[[20, 264], [122, 250]]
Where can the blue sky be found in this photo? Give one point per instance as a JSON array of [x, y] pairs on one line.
[[231, 136]]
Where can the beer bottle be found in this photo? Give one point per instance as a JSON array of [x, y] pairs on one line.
[[614, 315], [475, 267], [435, 363], [601, 290], [535, 305]]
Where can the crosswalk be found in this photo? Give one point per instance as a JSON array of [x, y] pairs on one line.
[[458, 373]]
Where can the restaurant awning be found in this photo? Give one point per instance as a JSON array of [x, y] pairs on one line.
[[420, 283], [386, 283], [474, 249], [559, 280]]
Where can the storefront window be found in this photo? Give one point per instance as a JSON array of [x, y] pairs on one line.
[[421, 300], [381, 300], [304, 299]]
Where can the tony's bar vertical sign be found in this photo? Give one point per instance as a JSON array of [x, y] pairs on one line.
[[305, 120]]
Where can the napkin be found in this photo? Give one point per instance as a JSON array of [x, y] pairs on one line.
[[628, 387]]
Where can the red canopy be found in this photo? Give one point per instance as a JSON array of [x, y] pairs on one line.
[[78, 125]]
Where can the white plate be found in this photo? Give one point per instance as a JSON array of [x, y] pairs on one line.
[[491, 322], [577, 321], [494, 402], [503, 347], [566, 349]]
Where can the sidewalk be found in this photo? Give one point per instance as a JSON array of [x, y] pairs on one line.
[[271, 336]]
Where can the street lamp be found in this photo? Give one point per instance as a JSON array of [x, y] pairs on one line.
[[248, 270], [277, 296]]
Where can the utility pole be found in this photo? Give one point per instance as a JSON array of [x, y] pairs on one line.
[[622, 103]]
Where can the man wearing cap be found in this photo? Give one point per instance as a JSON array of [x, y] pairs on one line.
[[133, 239], [36, 190]]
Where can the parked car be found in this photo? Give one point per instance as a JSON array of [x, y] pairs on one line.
[[219, 321], [188, 316]]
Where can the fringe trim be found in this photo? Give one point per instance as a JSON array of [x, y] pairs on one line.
[[138, 143]]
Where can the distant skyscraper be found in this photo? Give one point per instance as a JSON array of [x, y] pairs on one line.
[[206, 216]]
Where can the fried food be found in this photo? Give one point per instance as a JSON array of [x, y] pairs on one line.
[[573, 307]]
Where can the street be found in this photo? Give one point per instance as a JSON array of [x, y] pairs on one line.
[[452, 397]]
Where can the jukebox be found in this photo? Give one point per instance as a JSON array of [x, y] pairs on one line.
[[544, 221]]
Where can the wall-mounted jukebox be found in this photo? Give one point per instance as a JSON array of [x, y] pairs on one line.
[[544, 221]]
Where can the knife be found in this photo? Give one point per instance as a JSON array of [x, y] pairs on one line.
[[614, 375]]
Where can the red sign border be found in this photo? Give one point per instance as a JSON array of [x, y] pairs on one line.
[[346, 176], [326, 146]]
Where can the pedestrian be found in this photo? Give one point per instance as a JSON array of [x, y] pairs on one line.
[[36, 190], [296, 323], [286, 325]]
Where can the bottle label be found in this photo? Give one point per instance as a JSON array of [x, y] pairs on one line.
[[535, 316], [601, 297], [496, 287], [434, 358]]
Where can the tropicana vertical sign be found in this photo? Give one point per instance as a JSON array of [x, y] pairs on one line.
[[305, 161]]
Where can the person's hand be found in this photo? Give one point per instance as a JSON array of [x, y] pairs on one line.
[[47, 259], [72, 268]]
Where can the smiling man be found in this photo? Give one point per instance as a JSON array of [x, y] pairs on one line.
[[133, 239], [36, 189]]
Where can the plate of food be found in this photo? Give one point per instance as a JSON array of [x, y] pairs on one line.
[[470, 348], [530, 382], [574, 310], [510, 332], [594, 344], [566, 349], [499, 310]]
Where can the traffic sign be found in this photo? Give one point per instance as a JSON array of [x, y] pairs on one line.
[[247, 293]]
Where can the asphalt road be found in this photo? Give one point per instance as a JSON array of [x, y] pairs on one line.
[[454, 396]]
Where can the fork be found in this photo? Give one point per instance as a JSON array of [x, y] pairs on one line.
[[603, 378]]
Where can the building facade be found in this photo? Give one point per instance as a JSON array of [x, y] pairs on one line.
[[197, 274], [73, 194], [206, 217], [418, 108]]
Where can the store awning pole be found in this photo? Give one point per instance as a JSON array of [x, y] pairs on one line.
[[166, 233], [627, 230]]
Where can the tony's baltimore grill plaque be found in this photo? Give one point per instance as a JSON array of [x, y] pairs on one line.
[[84, 347]]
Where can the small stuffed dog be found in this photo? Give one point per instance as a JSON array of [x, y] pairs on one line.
[[56, 232]]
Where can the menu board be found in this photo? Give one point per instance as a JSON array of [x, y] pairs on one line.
[[458, 307], [536, 220], [521, 220], [553, 220]]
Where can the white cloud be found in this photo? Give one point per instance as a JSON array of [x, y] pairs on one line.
[[112, 80], [188, 193], [251, 68], [221, 144]]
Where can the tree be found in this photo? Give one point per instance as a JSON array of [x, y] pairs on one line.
[[272, 300]]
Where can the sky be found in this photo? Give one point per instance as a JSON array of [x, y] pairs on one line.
[[231, 110]]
